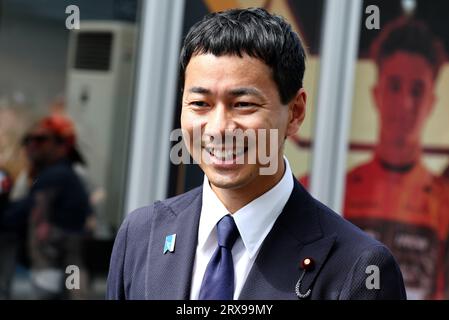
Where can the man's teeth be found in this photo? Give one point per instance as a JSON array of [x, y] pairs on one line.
[[225, 154]]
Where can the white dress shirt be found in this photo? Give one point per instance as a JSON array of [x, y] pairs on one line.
[[254, 221]]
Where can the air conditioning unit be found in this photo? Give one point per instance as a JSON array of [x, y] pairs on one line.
[[98, 94]]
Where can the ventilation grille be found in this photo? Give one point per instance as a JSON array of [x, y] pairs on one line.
[[93, 51]]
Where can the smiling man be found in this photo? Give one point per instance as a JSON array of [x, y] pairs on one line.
[[245, 233]]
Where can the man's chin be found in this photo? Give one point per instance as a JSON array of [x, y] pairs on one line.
[[229, 180]]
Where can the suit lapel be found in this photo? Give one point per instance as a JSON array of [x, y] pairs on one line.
[[168, 276], [295, 236]]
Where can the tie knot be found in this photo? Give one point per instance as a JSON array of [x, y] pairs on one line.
[[227, 232]]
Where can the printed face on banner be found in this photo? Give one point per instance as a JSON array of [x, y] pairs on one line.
[[404, 97]]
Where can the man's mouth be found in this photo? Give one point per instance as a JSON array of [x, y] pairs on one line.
[[226, 154]]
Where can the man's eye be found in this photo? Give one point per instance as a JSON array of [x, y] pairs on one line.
[[199, 104], [244, 104], [417, 90], [394, 85]]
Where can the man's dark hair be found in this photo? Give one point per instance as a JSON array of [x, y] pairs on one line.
[[254, 32], [411, 36]]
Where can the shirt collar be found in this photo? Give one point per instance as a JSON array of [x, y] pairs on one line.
[[212, 211], [255, 220]]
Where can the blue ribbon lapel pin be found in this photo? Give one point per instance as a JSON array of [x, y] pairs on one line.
[[169, 245]]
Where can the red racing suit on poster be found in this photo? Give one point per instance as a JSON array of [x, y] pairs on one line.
[[408, 212]]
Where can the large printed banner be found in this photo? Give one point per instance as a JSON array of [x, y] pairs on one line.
[[398, 173], [396, 186]]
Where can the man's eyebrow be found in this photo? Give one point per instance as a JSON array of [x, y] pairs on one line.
[[199, 90], [237, 92]]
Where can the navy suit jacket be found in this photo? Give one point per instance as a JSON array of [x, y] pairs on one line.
[[139, 268]]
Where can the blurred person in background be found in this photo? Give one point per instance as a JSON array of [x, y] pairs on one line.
[[14, 119], [394, 196], [56, 208]]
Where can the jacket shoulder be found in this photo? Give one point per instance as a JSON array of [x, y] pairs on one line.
[[139, 220], [129, 254], [347, 233], [179, 202]]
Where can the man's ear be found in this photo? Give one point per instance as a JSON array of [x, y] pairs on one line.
[[296, 112]]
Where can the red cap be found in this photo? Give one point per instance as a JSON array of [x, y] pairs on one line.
[[63, 127], [60, 126]]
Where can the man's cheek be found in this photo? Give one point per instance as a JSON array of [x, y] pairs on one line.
[[195, 145]]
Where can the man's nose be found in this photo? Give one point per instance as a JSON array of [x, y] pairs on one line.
[[406, 101], [220, 121]]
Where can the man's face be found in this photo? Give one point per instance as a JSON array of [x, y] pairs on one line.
[[230, 93], [404, 97], [40, 146]]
